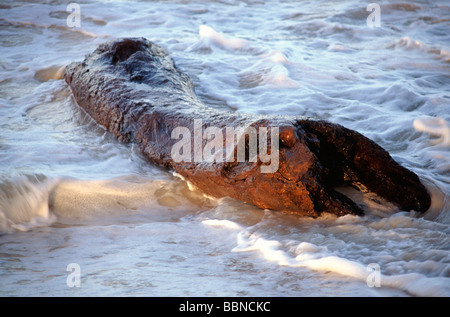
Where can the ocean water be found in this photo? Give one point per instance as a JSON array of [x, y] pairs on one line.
[[82, 214]]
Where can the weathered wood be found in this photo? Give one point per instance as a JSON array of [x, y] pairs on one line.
[[133, 88]]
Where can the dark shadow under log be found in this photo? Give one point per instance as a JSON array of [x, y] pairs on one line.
[[133, 89]]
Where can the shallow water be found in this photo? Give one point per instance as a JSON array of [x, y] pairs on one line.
[[71, 193]]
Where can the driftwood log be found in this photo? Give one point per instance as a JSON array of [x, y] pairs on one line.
[[133, 89]]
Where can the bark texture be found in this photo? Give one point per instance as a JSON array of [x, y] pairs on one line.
[[133, 88]]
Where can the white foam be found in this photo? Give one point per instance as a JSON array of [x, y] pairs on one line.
[[127, 194], [281, 80], [270, 71], [435, 126], [409, 43], [319, 258], [437, 151], [277, 56], [194, 188], [270, 249], [24, 203], [28, 202], [210, 38], [418, 284], [213, 37], [222, 223]]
